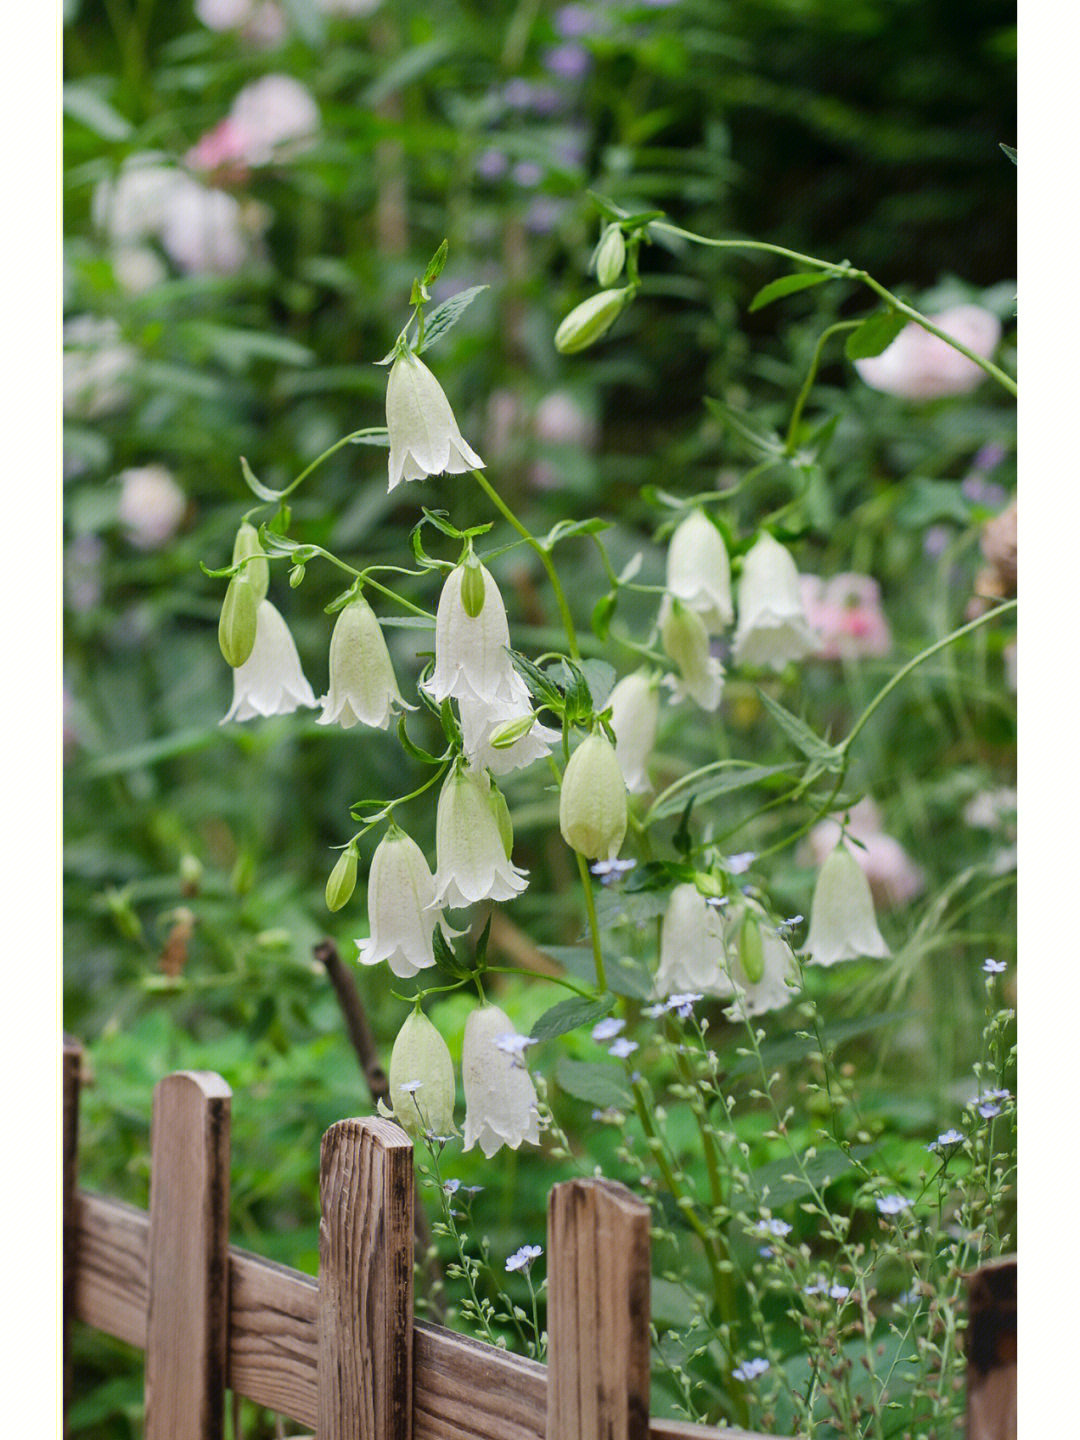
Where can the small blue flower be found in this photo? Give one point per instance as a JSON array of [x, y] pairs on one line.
[[892, 1204], [622, 1048], [839, 1292], [946, 1140], [513, 1044], [750, 1369], [989, 1109], [607, 1029], [993, 967], [739, 864], [611, 870], [523, 1258], [772, 1227]]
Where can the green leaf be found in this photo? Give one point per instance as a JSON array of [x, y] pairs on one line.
[[788, 285], [600, 678], [625, 975], [716, 784], [84, 104], [874, 335], [566, 528], [1009, 151], [602, 1085], [436, 263], [411, 748], [760, 439], [540, 685], [800, 734], [446, 315], [929, 501], [256, 486], [603, 610], [402, 72], [570, 1015]]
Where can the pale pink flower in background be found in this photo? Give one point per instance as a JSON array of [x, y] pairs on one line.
[[893, 875], [261, 23], [274, 115], [560, 420], [152, 505], [271, 680], [203, 231], [919, 366], [845, 612]]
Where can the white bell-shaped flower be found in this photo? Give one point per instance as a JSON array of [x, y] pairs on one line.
[[363, 687], [421, 1080], [699, 571], [424, 436], [592, 800], [693, 956], [772, 627], [761, 964], [501, 736], [402, 913], [635, 714], [843, 925], [500, 1099], [270, 681], [472, 662], [684, 637], [472, 860]]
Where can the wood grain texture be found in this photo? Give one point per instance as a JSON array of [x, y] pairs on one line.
[[365, 1374], [991, 1351], [599, 1346], [71, 1074], [187, 1265]]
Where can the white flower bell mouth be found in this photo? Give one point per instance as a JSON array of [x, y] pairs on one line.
[[472, 860], [685, 638], [635, 715], [363, 687], [693, 955], [402, 913], [472, 662], [500, 1099], [842, 921], [270, 681], [424, 436]]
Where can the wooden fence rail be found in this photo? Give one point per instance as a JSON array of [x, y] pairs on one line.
[[342, 1353]]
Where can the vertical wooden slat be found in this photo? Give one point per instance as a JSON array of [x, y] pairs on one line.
[[365, 1282], [598, 1313], [991, 1352], [72, 1074], [187, 1314]]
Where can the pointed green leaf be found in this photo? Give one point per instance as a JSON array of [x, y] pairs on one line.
[[874, 335], [436, 263], [603, 1085], [570, 1015], [256, 486], [800, 734], [760, 439], [446, 315], [788, 285]]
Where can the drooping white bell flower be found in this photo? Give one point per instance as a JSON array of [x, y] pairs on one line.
[[592, 800], [270, 681], [699, 571], [421, 1080], [693, 955], [684, 637], [761, 964], [363, 687], [842, 921], [402, 913], [772, 626], [635, 714], [424, 436], [500, 1099], [501, 736], [472, 860], [471, 641]]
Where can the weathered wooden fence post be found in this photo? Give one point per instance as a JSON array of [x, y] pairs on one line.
[[598, 1313], [188, 1267], [991, 1351], [71, 1076], [365, 1282]]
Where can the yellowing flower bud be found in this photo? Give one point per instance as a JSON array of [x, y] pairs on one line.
[[610, 256], [592, 803], [422, 1079], [342, 881], [256, 572], [236, 628], [589, 320]]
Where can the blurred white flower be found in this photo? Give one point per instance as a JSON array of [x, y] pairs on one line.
[[203, 231], [402, 913], [500, 1099], [769, 980], [131, 205], [270, 681], [261, 23], [842, 921], [152, 505], [772, 626], [699, 571], [472, 860], [363, 687], [471, 649], [560, 420], [845, 613], [98, 367], [635, 714], [894, 877], [919, 366], [424, 436], [693, 953], [421, 1080], [494, 734], [138, 268], [592, 800], [273, 116], [684, 637]]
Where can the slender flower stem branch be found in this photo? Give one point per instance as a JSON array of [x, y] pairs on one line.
[[346, 440], [594, 925], [808, 383]]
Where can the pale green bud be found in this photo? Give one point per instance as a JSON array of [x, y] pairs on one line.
[[592, 803], [342, 881], [589, 320], [751, 950], [236, 628], [501, 811], [256, 572], [503, 736], [422, 1079], [472, 587], [610, 256], [296, 576]]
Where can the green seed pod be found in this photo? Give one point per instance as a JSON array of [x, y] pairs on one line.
[[751, 950], [610, 256], [256, 572], [472, 587], [342, 881], [236, 628], [589, 320]]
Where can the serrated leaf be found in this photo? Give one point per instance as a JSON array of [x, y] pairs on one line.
[[256, 486], [446, 315], [599, 1084], [600, 678], [570, 1015], [789, 285], [760, 439], [874, 335], [800, 734], [539, 684]]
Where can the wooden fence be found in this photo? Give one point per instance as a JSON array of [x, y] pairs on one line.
[[342, 1353]]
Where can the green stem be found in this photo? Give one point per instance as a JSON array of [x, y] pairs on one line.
[[537, 975], [347, 440], [808, 383], [594, 925]]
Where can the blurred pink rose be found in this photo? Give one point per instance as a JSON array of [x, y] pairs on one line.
[[152, 505], [845, 612], [269, 120], [261, 23], [919, 366], [894, 877]]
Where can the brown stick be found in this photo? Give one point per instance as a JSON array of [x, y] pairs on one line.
[[72, 1074]]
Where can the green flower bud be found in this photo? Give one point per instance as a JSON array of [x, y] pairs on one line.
[[422, 1079], [751, 950], [296, 576], [610, 256], [503, 736], [592, 803], [256, 572], [236, 628], [342, 881], [472, 587], [589, 320], [501, 811]]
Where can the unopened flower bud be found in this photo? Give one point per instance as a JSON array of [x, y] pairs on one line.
[[191, 874], [589, 320], [236, 628], [472, 587], [751, 950], [592, 802], [342, 881], [503, 736], [422, 1079], [610, 256], [296, 576], [501, 810], [256, 572]]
